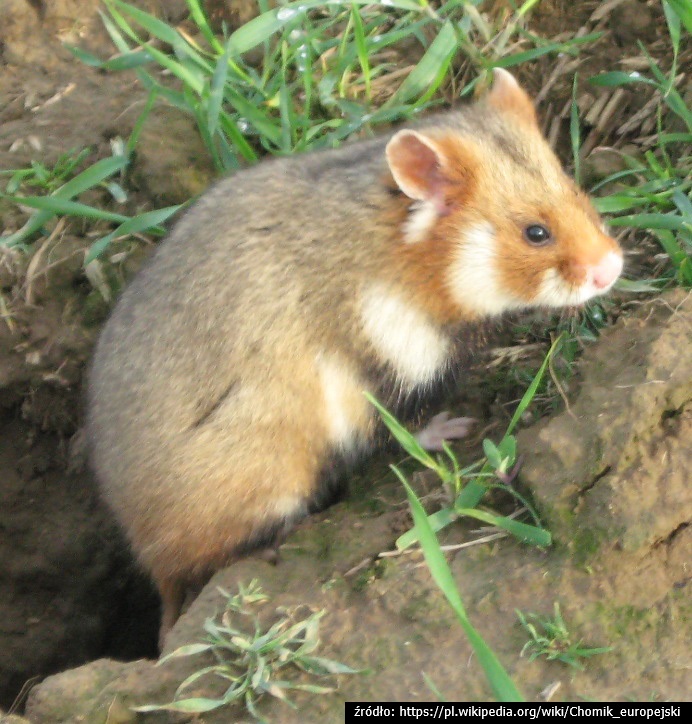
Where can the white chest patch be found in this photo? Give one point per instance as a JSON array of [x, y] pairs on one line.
[[473, 276], [346, 409], [403, 336]]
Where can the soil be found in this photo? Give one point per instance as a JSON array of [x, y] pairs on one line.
[[69, 592]]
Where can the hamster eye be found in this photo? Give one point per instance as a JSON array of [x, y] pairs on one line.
[[537, 235]]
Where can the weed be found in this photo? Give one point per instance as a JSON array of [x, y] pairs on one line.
[[40, 176], [467, 486], [502, 685], [551, 638], [60, 201], [655, 192], [328, 69], [251, 658]]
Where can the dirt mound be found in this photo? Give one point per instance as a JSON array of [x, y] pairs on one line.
[[609, 474]]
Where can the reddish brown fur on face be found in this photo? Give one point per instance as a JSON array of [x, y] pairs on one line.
[[508, 97], [578, 243], [421, 266], [522, 184]]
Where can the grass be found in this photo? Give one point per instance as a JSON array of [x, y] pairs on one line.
[[326, 71], [551, 638], [250, 661], [467, 486], [654, 192], [44, 178], [499, 680], [63, 188]]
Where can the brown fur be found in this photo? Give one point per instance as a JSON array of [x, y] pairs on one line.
[[230, 374]]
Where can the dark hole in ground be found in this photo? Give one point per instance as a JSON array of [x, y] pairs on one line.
[[69, 589]]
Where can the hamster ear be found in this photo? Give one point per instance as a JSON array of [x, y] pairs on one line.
[[508, 96], [416, 164]]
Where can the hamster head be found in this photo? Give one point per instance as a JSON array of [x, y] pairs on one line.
[[488, 197]]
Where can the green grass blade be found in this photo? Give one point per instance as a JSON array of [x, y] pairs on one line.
[[127, 61], [472, 493], [437, 521], [403, 436], [500, 682], [65, 207], [112, 28], [147, 221], [85, 57], [155, 27], [683, 9], [617, 202], [683, 203], [34, 224], [287, 119], [667, 241], [519, 58], [362, 49], [141, 120], [191, 706], [216, 92], [652, 221], [574, 131], [200, 19], [92, 176], [523, 531], [193, 79], [262, 122], [617, 78], [230, 128], [424, 79], [532, 388]]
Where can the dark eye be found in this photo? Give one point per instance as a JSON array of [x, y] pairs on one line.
[[537, 235]]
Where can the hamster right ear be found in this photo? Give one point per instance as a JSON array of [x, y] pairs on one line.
[[508, 96], [417, 165]]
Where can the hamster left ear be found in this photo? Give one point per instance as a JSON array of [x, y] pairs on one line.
[[508, 96], [416, 164]]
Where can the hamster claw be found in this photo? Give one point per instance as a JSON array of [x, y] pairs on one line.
[[442, 428]]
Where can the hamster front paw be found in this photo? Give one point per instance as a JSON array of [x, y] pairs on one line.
[[442, 428]]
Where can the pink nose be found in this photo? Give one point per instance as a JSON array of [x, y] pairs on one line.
[[607, 270]]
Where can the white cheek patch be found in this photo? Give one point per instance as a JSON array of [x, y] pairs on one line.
[[345, 406], [420, 222], [403, 336], [554, 291], [474, 279]]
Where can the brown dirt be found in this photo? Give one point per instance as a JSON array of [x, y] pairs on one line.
[[68, 592]]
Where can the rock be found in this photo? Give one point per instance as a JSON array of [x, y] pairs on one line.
[[632, 21], [172, 163], [12, 719], [91, 693], [612, 467]]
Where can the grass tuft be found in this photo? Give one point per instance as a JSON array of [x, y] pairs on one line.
[[551, 638], [249, 659]]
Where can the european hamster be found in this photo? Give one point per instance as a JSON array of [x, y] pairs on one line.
[[229, 379]]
